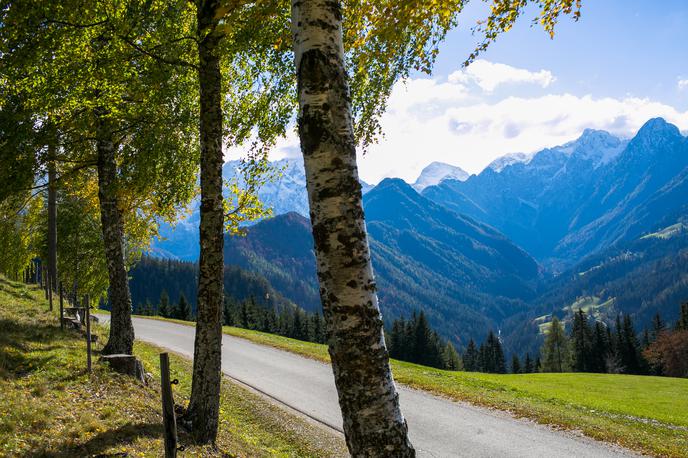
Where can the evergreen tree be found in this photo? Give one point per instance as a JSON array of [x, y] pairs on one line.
[[600, 349], [317, 328], [415, 341], [422, 344], [396, 339], [555, 351], [148, 309], [183, 309], [492, 355], [227, 315], [244, 315], [538, 364], [629, 348], [528, 365], [451, 358], [470, 357], [297, 327], [657, 326], [682, 323], [484, 363], [612, 362], [646, 339], [515, 364], [164, 305], [582, 343]]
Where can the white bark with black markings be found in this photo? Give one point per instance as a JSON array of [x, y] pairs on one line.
[[373, 423], [204, 405]]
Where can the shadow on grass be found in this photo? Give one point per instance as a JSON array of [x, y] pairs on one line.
[[19, 356], [98, 444]]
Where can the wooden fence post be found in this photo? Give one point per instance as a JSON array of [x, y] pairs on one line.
[[50, 293], [88, 332], [61, 308], [46, 287], [169, 420]]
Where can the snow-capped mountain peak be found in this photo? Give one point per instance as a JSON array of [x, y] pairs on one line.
[[598, 146], [438, 171], [508, 159]]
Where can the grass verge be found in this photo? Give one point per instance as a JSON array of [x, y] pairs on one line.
[[50, 406], [647, 414]]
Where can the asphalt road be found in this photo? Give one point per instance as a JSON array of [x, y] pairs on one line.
[[438, 427]]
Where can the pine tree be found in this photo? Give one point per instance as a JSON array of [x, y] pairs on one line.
[[515, 364], [631, 358], [470, 357], [227, 315], [657, 326], [538, 364], [297, 327], [646, 339], [484, 361], [500, 361], [492, 355], [528, 365], [682, 323], [555, 351], [164, 307], [396, 339], [422, 344], [582, 343], [183, 309], [451, 358], [600, 350]]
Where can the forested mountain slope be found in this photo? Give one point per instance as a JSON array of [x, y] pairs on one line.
[[465, 275], [641, 278], [151, 276]]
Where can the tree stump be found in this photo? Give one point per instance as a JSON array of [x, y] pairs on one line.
[[127, 365]]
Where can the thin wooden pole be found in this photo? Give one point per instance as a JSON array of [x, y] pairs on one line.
[[88, 332], [45, 283], [61, 308], [169, 420], [50, 292]]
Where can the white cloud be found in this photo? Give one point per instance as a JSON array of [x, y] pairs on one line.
[[682, 84], [490, 75]]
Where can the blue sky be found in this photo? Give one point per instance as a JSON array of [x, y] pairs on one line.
[[624, 62], [617, 48]]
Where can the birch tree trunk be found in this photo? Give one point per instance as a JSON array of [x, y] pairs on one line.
[[373, 423], [204, 405], [121, 338], [52, 214]]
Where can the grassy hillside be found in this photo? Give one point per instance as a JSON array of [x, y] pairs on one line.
[[51, 407]]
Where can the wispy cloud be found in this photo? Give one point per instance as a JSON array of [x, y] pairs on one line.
[[682, 84], [489, 75]]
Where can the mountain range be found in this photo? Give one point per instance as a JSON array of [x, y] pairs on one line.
[[570, 201], [501, 249]]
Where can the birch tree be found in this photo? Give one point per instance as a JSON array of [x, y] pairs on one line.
[[404, 34]]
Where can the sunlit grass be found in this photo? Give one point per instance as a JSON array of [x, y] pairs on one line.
[[50, 406]]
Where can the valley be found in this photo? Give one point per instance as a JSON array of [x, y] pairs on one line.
[[600, 217]]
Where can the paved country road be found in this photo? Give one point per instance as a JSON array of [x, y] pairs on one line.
[[438, 427]]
